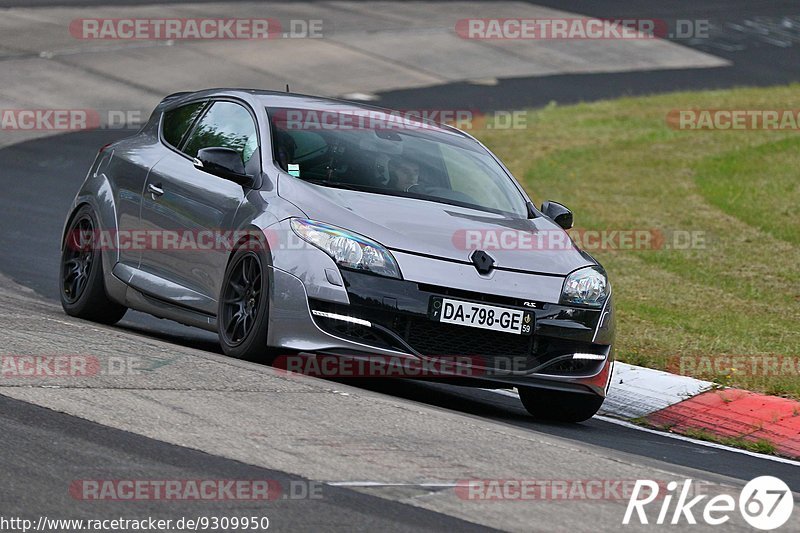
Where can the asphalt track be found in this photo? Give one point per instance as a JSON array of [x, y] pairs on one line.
[[757, 59], [39, 179], [49, 447]]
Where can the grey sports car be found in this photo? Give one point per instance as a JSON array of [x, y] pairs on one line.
[[311, 227]]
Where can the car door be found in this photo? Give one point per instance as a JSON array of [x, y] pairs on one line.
[[189, 210], [130, 175]]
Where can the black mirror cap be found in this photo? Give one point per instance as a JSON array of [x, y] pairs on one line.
[[558, 214], [224, 162]]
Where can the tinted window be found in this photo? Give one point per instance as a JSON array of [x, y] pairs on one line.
[[225, 125], [178, 121]]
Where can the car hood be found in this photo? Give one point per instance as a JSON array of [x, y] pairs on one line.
[[440, 230]]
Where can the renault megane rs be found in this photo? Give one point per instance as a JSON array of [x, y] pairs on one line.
[[306, 225]]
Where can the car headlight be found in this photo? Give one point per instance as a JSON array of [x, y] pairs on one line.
[[349, 250], [587, 286]]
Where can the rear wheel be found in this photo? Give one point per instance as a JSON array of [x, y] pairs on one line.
[[82, 288], [559, 405], [242, 316]]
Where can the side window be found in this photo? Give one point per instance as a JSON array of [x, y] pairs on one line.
[[293, 144], [177, 121], [225, 125]]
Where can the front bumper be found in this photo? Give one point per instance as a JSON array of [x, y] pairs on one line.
[[393, 322]]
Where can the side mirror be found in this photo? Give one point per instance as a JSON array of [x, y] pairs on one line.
[[225, 163], [558, 213]]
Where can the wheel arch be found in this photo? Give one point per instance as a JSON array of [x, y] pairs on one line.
[[105, 215], [251, 234]]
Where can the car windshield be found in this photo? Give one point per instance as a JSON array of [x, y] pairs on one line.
[[387, 154]]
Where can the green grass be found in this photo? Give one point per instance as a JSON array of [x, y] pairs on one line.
[[618, 165], [758, 446], [764, 446], [759, 185]]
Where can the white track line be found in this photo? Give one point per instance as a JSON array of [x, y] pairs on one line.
[[675, 436]]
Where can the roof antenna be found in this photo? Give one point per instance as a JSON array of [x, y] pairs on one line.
[[287, 87]]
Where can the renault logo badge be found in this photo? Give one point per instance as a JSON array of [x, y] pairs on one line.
[[483, 262]]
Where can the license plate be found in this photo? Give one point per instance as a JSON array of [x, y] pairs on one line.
[[481, 316]]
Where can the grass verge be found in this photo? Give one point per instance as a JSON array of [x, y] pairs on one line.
[[725, 279]]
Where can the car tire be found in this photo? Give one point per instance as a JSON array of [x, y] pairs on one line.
[[81, 280], [243, 309], [560, 406]]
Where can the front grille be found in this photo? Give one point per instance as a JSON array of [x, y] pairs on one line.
[[436, 338]]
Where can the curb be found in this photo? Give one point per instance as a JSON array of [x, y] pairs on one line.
[[697, 408]]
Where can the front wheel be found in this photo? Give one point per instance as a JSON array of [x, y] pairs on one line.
[[242, 314], [560, 406], [82, 288]]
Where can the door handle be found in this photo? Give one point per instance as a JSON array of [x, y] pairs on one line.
[[155, 190]]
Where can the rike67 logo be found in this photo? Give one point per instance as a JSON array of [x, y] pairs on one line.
[[765, 503]]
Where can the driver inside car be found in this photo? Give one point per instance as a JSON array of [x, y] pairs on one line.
[[403, 174]]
